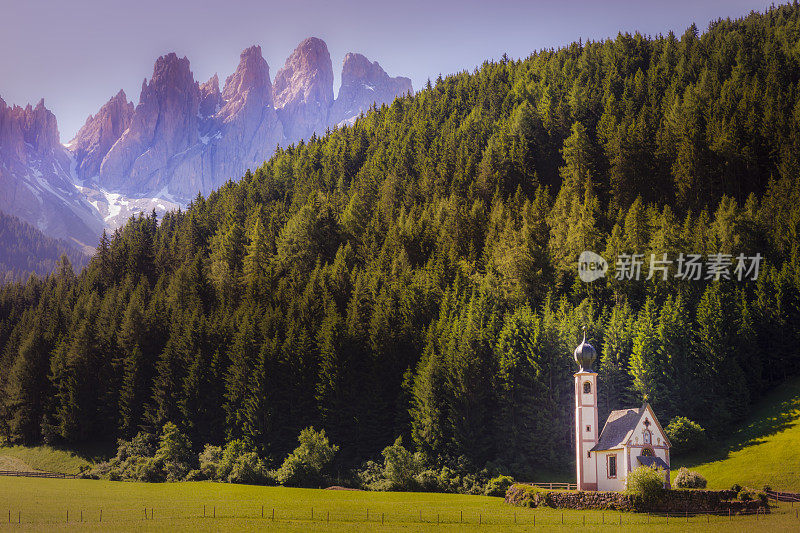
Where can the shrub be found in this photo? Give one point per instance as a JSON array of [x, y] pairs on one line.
[[747, 494], [685, 436], [400, 466], [687, 479], [248, 468], [304, 466], [210, 459], [497, 486], [736, 488], [646, 482]]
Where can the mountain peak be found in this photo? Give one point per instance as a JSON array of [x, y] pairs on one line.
[[98, 135], [303, 89], [251, 74], [364, 83]]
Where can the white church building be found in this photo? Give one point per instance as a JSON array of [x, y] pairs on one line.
[[629, 438]]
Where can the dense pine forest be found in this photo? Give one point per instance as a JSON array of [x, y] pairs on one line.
[[24, 250], [414, 275]]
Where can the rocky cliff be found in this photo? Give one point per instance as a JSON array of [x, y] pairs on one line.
[[304, 90], [182, 137], [98, 135], [364, 83], [35, 176]]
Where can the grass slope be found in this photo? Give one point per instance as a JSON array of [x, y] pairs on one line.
[[43, 458], [43, 504], [763, 451]]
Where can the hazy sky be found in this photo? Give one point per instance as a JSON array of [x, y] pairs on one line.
[[78, 54]]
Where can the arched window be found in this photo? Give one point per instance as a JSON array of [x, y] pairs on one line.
[[648, 452], [587, 387]]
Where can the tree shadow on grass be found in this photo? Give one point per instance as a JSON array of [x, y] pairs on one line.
[[775, 413]]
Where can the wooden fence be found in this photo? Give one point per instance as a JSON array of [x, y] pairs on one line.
[[780, 496], [555, 486], [37, 474]]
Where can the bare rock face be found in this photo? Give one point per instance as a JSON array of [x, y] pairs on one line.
[[185, 138], [98, 135], [364, 83], [35, 180], [210, 97], [153, 153], [304, 90], [249, 130]]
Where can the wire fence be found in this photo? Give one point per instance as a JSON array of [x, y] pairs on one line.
[[314, 515]]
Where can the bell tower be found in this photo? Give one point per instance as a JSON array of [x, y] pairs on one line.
[[586, 430]]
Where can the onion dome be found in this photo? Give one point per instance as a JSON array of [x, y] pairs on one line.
[[585, 355]]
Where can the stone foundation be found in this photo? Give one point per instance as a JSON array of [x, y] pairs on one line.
[[671, 501]]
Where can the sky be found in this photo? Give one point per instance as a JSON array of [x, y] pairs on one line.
[[78, 54]]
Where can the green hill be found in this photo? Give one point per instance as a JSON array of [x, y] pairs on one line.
[[42, 458], [763, 451]]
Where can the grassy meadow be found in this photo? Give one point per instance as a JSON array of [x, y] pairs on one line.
[[47, 504], [42, 458], [763, 451]]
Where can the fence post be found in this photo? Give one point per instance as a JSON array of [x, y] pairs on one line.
[[101, 515], [262, 510]]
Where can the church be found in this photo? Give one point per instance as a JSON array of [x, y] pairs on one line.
[[630, 437]]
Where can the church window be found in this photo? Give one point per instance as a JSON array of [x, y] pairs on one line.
[[648, 452], [587, 387], [612, 466]]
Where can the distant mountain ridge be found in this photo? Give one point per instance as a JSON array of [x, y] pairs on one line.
[[24, 250], [181, 139]]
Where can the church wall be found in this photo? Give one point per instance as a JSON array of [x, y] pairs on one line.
[[603, 481]]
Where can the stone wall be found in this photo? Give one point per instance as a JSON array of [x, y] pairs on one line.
[[672, 501]]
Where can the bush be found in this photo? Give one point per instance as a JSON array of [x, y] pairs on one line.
[[747, 495], [248, 468], [736, 488], [687, 479], [685, 436], [304, 466], [497, 486], [210, 459], [645, 482]]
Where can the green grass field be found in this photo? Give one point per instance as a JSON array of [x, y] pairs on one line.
[[45, 503], [44, 458], [763, 451]]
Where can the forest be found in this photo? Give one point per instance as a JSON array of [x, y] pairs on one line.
[[415, 274], [24, 250]]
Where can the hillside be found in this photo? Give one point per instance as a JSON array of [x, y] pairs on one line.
[[24, 250], [763, 450]]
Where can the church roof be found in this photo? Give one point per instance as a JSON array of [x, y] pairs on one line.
[[653, 461], [618, 428]]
